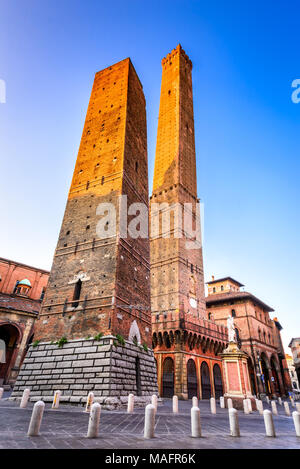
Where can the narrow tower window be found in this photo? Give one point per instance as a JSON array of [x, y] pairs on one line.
[[77, 291]]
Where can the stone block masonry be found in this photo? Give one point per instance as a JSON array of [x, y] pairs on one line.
[[111, 371]]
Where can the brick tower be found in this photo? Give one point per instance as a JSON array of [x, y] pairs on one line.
[[180, 330], [99, 284]]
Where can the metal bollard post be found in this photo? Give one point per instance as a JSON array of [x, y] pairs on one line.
[[222, 403], [194, 402], [229, 403]]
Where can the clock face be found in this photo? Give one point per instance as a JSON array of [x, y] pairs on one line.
[[193, 303]]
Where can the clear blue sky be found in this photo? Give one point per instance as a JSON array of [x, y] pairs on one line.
[[245, 56]]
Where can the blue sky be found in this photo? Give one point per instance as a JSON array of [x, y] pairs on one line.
[[245, 56]]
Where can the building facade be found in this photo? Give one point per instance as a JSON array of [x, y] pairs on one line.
[[186, 344], [293, 375], [295, 348], [22, 289], [257, 334]]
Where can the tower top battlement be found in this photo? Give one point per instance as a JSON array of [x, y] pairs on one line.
[[174, 54]]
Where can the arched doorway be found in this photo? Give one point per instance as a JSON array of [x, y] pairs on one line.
[[265, 374], [218, 381], [168, 378], [9, 334], [274, 376], [205, 381], [192, 379], [252, 376]]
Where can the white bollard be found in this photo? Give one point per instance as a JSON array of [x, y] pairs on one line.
[[213, 407], [56, 397], [149, 421], [287, 408], [246, 406], [234, 422], [89, 402], [93, 428], [274, 408], [260, 407], [292, 402], [36, 418], [154, 402], [229, 403], [269, 424], [130, 405], [249, 405], [222, 403], [298, 406], [1, 392], [194, 402], [279, 401], [296, 418], [175, 404], [267, 399], [195, 422], [25, 397]]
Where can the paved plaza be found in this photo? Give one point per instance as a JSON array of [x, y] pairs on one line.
[[66, 427]]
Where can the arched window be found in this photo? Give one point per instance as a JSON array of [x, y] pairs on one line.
[[233, 314]]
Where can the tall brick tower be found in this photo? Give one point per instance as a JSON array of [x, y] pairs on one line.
[[177, 281], [181, 278], [100, 283]]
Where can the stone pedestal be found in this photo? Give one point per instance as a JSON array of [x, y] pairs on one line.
[[236, 376], [110, 370]]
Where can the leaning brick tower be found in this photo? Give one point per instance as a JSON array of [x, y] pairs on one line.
[[99, 284]]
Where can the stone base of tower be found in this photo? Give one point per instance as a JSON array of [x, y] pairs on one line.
[[110, 370]]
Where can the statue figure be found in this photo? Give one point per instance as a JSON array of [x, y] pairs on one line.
[[231, 329]]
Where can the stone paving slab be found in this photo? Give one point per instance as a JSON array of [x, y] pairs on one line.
[[66, 427]]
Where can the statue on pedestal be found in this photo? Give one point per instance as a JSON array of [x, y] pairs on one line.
[[231, 330]]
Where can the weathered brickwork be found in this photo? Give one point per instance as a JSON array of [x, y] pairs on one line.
[[114, 272], [100, 283], [182, 338], [109, 370]]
